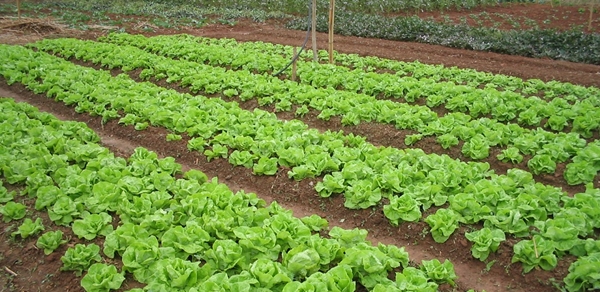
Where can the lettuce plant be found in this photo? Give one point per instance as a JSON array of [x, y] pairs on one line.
[[510, 220], [510, 154], [583, 274], [370, 263], [402, 208], [175, 273], [443, 223], [485, 241], [348, 238], [28, 228], [5, 195], [47, 196], [265, 166], [122, 237], [331, 184], [63, 211], [362, 194], [92, 225], [270, 274], [225, 254], [541, 163], [533, 255], [80, 258], [301, 261], [102, 277], [477, 147], [50, 241], [439, 272], [12, 211], [315, 222], [447, 140], [413, 279]]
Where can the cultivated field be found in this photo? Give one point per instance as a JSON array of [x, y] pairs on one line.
[[147, 151]]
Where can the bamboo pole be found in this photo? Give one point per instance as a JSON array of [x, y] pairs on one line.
[[314, 30], [331, 28], [294, 66], [591, 13]]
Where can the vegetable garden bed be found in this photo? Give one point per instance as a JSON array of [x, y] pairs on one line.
[[407, 197]]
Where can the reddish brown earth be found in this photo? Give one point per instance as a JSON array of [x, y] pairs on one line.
[[37, 272]]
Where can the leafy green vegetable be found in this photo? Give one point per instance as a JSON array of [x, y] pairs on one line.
[[402, 208], [447, 140], [92, 225], [265, 166], [413, 279], [537, 252], [477, 147], [191, 239], [362, 194], [50, 241], [28, 228], [485, 241], [315, 222], [369, 263], [47, 196], [348, 238], [332, 183], [63, 211], [270, 274], [225, 254], [80, 258], [173, 137], [443, 223], [5, 195], [12, 211], [301, 261], [583, 274], [542, 163], [440, 273], [176, 273], [102, 277], [510, 154]]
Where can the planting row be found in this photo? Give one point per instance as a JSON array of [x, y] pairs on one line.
[[571, 45], [497, 99], [186, 233], [412, 181], [480, 135]]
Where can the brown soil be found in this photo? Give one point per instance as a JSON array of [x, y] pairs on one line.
[[525, 16], [37, 272]]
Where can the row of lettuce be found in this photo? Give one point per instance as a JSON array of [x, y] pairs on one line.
[[264, 57], [504, 98], [546, 148], [549, 223], [177, 231], [571, 45]]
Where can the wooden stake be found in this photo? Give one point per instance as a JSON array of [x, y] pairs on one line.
[[591, 12], [294, 66], [535, 248], [331, 28], [314, 30], [19, 8]]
